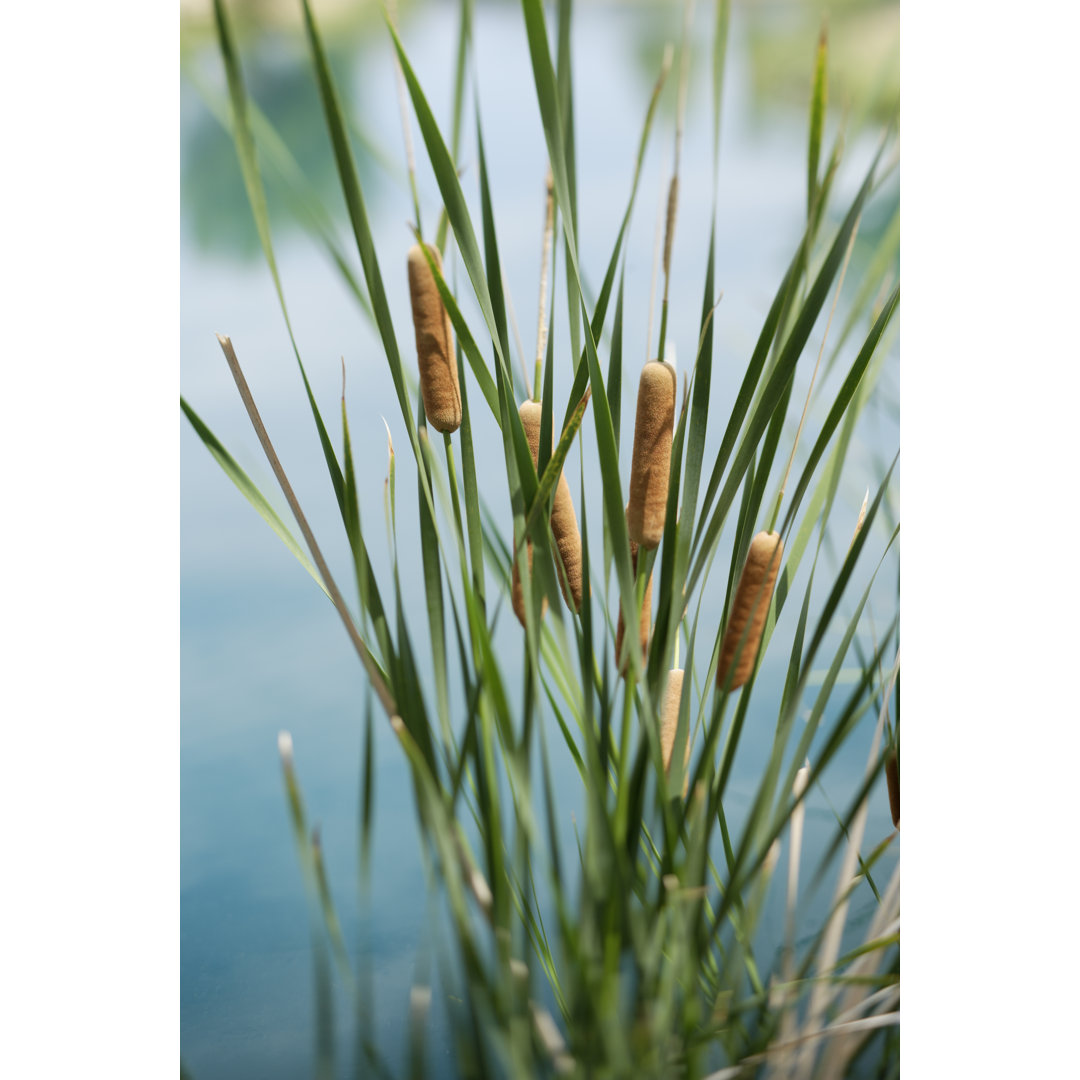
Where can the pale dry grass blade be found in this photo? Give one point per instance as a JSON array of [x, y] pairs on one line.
[[824, 992], [788, 1024], [381, 689]]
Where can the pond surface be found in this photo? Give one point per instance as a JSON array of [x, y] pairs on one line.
[[262, 650]]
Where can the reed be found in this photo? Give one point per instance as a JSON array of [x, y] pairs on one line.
[[750, 609], [434, 344], [517, 595], [563, 519], [654, 426]]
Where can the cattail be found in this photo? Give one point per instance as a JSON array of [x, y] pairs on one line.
[[653, 430], [669, 725], [892, 778], [563, 519], [517, 594], [750, 608], [434, 343], [643, 624]]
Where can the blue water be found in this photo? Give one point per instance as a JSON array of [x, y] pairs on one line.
[[262, 649]]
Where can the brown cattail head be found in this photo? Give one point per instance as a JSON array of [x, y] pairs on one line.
[[517, 595], [643, 623], [750, 608], [654, 427], [434, 343], [669, 725], [563, 519], [892, 778]]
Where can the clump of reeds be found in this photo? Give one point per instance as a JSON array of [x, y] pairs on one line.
[[434, 343], [654, 427], [750, 608], [563, 524]]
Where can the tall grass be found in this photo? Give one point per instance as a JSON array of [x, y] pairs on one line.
[[643, 960]]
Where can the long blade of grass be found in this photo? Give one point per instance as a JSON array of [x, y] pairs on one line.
[[250, 492], [245, 150], [354, 201], [777, 384]]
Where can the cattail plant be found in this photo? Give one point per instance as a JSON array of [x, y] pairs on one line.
[[434, 343], [676, 997], [517, 596], [644, 620], [654, 428], [750, 608], [563, 519], [892, 778]]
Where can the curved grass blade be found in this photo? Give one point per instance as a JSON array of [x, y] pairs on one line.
[[250, 492], [354, 201], [453, 198], [305, 203], [843, 399], [782, 374], [245, 150]]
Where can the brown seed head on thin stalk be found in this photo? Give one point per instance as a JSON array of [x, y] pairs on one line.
[[654, 427], [669, 725], [892, 778], [434, 343], [750, 608], [563, 519], [643, 623]]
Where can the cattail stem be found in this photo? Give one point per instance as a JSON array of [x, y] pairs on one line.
[[517, 334], [658, 236], [403, 107], [673, 187], [669, 725], [541, 317]]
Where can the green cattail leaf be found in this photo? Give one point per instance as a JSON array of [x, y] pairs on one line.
[[464, 37], [245, 151], [250, 492], [303, 200], [581, 378], [843, 399], [554, 467], [818, 101], [429, 548], [782, 373], [442, 165], [472, 498]]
